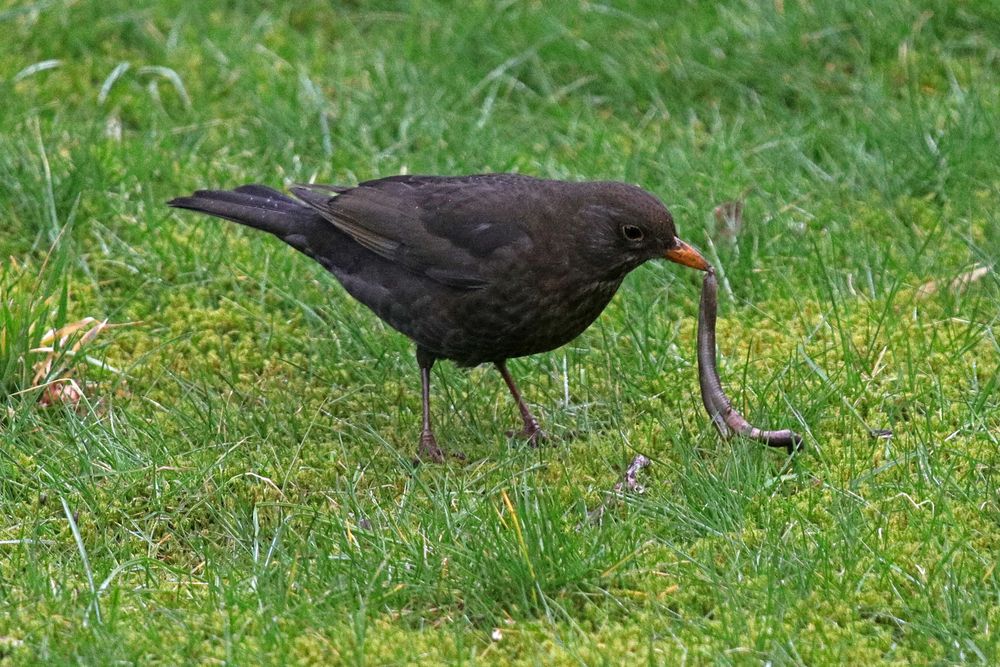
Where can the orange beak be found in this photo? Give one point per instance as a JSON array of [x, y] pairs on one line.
[[684, 254]]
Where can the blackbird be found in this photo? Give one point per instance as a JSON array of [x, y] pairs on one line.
[[476, 269]]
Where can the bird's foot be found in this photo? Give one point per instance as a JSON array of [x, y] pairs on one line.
[[531, 432], [430, 451]]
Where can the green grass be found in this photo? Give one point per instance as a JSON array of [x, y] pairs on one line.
[[242, 492]]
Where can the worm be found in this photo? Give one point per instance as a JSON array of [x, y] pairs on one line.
[[726, 419]]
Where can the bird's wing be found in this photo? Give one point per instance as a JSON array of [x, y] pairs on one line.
[[444, 228]]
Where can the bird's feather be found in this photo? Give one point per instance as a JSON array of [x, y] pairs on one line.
[[443, 228]]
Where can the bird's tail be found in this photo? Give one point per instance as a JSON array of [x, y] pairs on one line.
[[265, 208], [256, 206]]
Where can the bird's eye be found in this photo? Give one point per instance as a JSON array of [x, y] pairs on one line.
[[632, 233]]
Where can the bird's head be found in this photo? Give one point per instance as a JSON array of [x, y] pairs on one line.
[[630, 226]]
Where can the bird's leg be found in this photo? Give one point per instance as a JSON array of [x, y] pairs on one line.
[[532, 431], [429, 450]]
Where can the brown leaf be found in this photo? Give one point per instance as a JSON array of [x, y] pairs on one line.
[[629, 482], [64, 391], [728, 220], [61, 389], [956, 284]]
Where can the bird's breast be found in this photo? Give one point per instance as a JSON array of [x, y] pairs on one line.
[[516, 318]]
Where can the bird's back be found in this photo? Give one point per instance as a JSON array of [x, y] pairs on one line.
[[472, 268]]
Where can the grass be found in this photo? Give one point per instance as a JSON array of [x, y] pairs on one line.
[[242, 492]]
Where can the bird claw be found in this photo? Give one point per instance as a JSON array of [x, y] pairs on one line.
[[430, 452], [533, 433]]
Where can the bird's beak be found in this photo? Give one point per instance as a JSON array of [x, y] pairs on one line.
[[684, 254]]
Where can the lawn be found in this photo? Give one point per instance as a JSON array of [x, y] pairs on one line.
[[233, 482]]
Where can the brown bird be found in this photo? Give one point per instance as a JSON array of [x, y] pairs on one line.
[[475, 269]]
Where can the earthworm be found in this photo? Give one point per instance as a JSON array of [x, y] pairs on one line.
[[726, 419]]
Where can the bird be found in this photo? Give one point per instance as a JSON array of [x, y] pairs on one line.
[[476, 269]]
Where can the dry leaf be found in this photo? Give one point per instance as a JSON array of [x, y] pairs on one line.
[[64, 391], [956, 284], [629, 482], [60, 387], [728, 220]]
